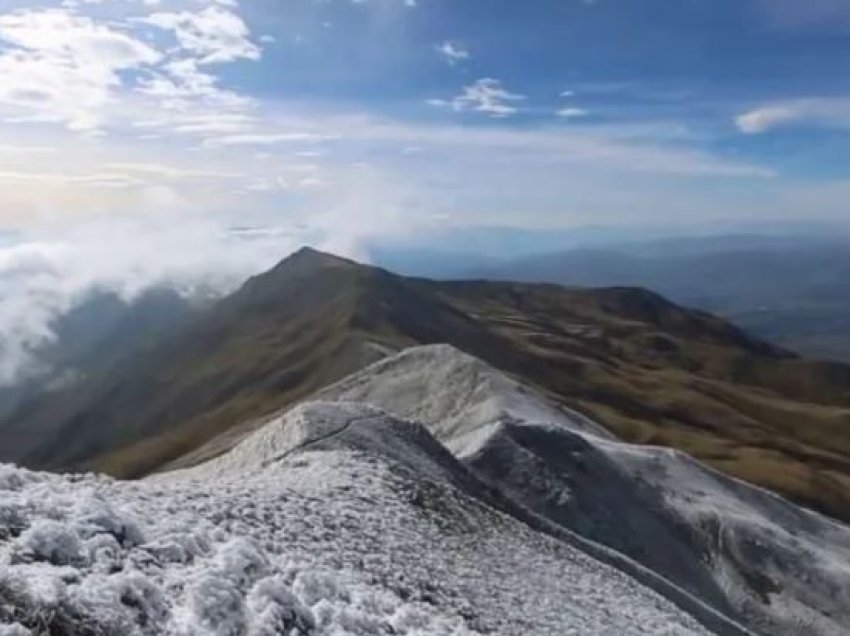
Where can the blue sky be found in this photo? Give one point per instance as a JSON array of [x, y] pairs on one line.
[[354, 117]]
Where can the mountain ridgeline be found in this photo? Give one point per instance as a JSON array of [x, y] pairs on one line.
[[794, 291], [646, 369]]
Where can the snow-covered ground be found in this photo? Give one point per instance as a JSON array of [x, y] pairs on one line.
[[332, 519], [457, 395], [750, 554], [426, 494]]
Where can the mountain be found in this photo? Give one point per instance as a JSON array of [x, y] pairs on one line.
[[644, 368], [793, 291], [331, 519]]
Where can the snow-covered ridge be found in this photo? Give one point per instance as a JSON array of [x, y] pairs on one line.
[[454, 393], [335, 519], [426, 494], [331, 425], [748, 553]]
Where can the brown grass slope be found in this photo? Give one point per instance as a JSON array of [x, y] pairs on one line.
[[647, 369]]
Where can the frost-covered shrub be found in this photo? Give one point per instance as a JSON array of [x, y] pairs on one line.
[[37, 602], [49, 540], [13, 479], [12, 521], [407, 619], [275, 610], [313, 586], [178, 547], [97, 516], [355, 621], [241, 561], [216, 605], [104, 553], [143, 598]]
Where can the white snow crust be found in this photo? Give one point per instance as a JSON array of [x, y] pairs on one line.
[[301, 530], [458, 396], [378, 508], [749, 553]]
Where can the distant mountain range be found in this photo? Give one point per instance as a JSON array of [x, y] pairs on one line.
[[646, 369]]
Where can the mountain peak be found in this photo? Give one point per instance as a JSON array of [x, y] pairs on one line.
[[305, 264], [311, 257]]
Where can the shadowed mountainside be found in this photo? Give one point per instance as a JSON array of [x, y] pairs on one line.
[[100, 330]]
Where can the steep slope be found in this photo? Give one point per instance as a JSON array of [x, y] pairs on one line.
[[332, 519], [746, 552], [281, 336], [644, 368]]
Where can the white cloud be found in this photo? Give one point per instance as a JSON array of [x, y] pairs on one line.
[[160, 170], [46, 275], [571, 112], [765, 118], [213, 34], [263, 139], [832, 112], [60, 67], [386, 6], [452, 53], [191, 101], [107, 71], [486, 95], [53, 266]]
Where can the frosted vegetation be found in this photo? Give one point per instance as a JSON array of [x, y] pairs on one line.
[[308, 537]]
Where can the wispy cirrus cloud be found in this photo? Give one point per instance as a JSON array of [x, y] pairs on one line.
[[486, 95], [829, 112], [265, 139], [452, 52], [571, 112]]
